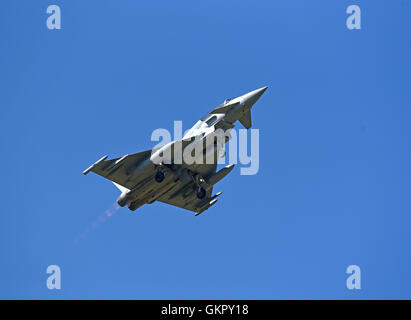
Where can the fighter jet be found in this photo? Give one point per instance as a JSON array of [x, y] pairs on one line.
[[183, 172]]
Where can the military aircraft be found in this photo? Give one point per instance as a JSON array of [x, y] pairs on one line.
[[183, 172]]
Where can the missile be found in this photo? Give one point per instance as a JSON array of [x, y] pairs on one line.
[[206, 201], [216, 195], [214, 178], [205, 207], [94, 164]]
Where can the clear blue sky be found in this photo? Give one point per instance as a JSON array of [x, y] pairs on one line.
[[334, 182]]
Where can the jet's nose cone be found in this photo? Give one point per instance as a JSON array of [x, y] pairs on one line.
[[250, 98], [262, 89], [259, 92]]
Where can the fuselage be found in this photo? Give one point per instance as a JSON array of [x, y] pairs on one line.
[[184, 171]]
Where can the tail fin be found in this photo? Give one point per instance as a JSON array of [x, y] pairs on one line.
[[246, 119]]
